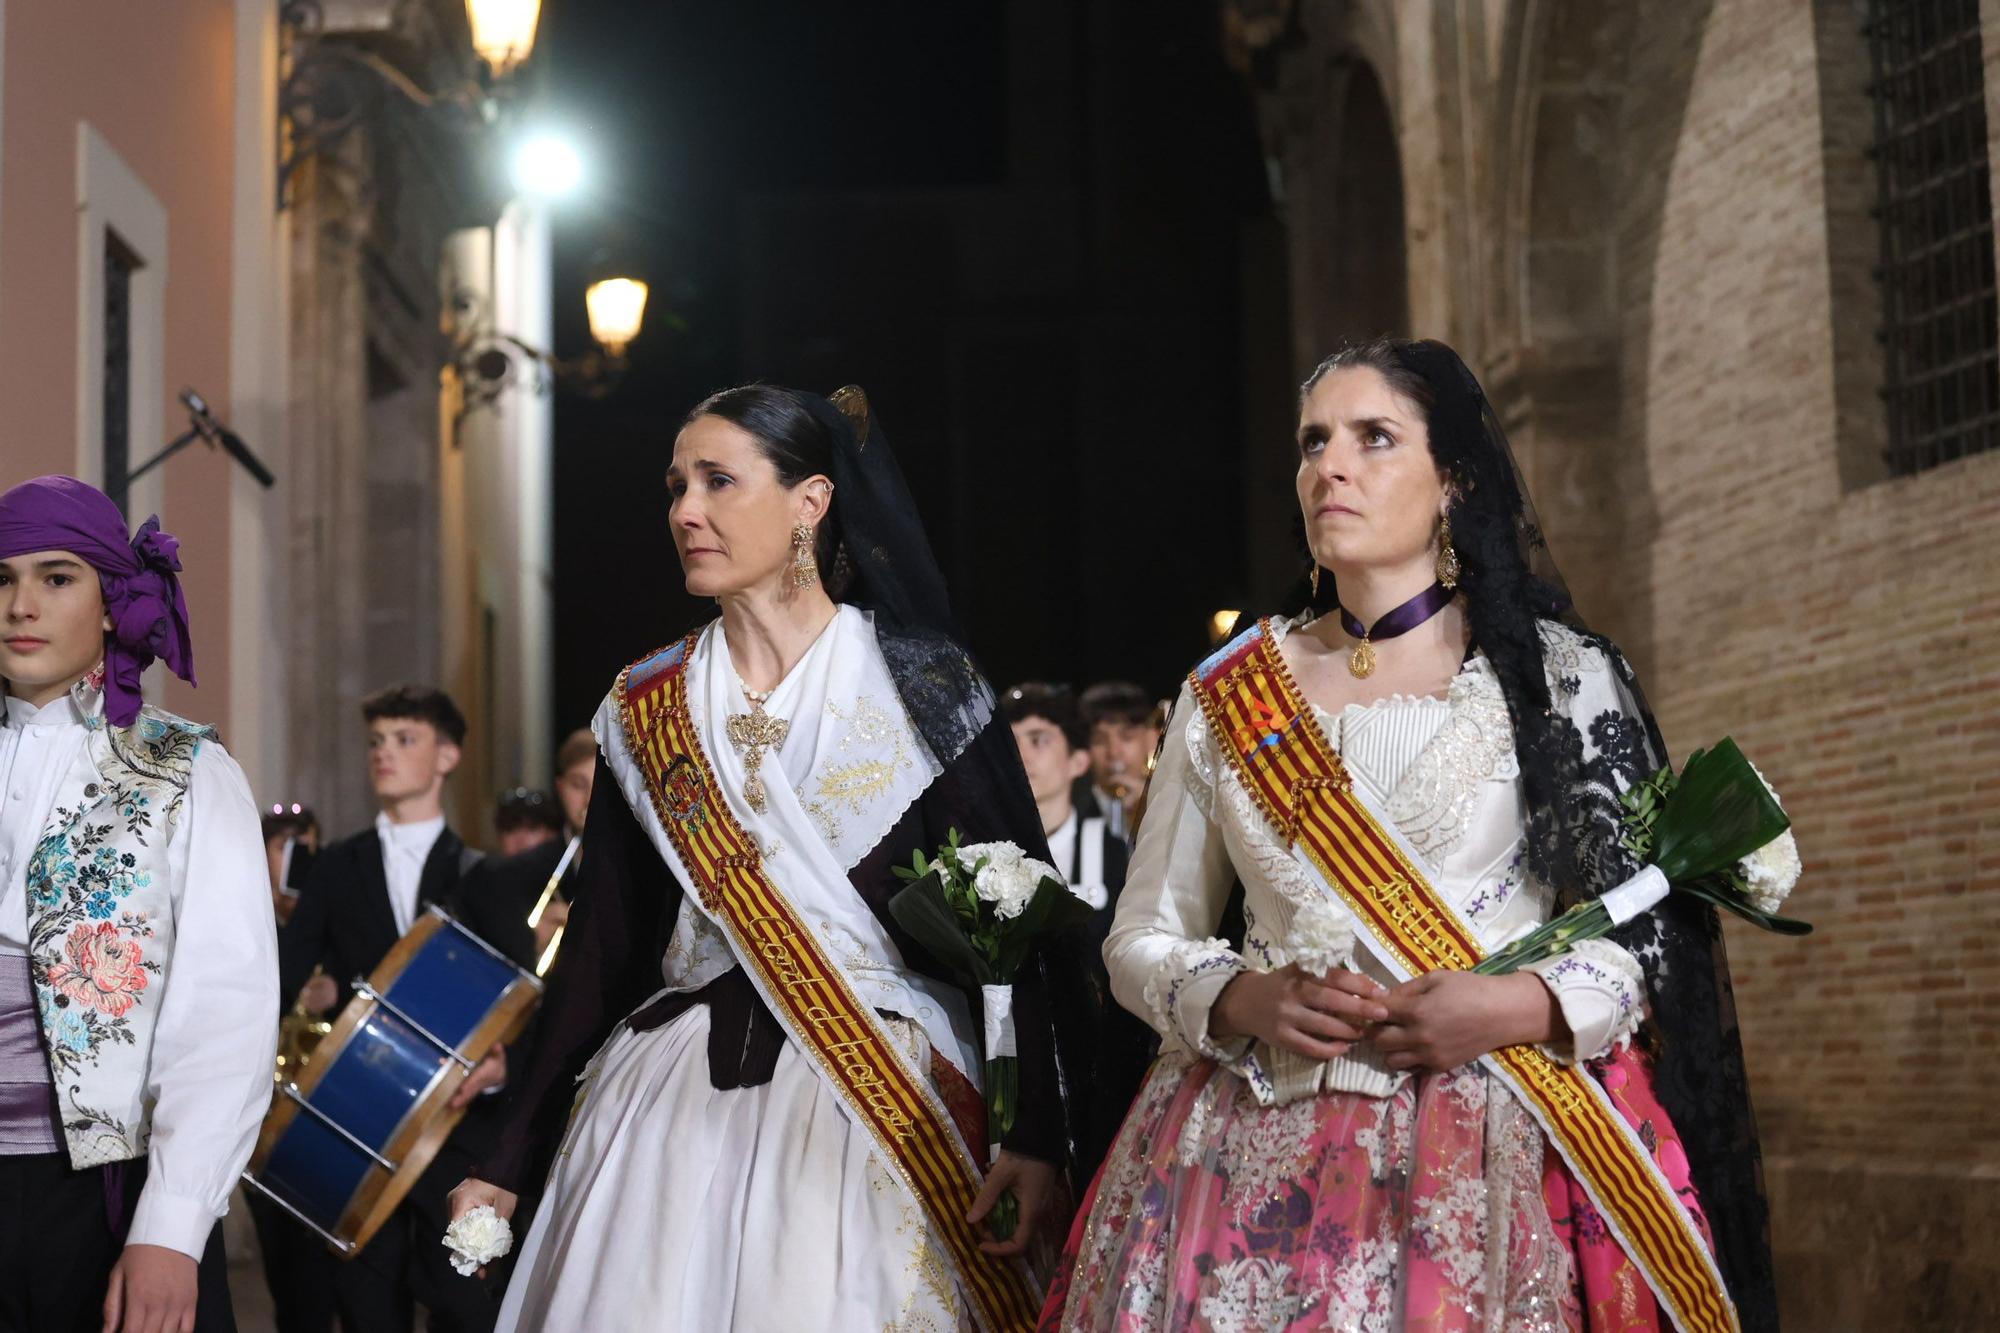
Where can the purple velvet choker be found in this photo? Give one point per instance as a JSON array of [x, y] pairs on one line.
[[1399, 621]]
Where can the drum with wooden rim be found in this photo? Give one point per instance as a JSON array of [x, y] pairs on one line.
[[344, 1142]]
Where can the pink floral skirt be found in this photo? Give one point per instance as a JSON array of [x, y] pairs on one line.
[[1440, 1207]]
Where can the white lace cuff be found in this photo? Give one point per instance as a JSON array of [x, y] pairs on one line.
[[1601, 989], [1182, 990]]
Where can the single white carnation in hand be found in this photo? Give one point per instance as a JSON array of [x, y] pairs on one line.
[[478, 1238], [1772, 871], [1321, 938], [1009, 877]]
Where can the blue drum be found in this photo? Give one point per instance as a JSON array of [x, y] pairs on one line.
[[344, 1142]]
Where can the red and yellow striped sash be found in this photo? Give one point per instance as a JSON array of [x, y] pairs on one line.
[[804, 987], [1284, 760]]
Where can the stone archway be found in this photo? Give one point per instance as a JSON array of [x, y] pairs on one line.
[[1324, 78], [1590, 106], [1558, 193], [1350, 237]]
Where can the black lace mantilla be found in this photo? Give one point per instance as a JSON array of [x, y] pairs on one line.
[[946, 696], [1691, 1019]]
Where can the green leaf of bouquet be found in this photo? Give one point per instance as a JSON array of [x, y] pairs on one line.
[[1777, 925], [1053, 908], [922, 910], [1719, 812]]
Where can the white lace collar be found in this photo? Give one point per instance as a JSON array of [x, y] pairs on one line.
[[1469, 740]]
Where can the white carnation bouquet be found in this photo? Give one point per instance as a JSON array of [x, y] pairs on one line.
[[978, 909], [1715, 832]]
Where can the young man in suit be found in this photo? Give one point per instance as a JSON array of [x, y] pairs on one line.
[[1123, 726], [1048, 726], [362, 896]]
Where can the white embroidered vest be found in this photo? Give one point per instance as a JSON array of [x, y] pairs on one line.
[[101, 923]]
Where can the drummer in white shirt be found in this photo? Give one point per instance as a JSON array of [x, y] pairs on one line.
[[138, 969], [363, 894]]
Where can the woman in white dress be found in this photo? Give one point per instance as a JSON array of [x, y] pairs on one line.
[[1330, 1139], [725, 1167]]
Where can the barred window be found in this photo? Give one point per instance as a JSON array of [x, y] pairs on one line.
[[1940, 330]]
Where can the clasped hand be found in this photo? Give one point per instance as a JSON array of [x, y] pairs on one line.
[[1437, 1021]]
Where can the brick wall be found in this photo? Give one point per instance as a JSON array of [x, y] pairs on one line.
[[1849, 636]]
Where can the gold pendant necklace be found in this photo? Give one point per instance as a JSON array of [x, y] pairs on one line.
[[1361, 662], [753, 733]]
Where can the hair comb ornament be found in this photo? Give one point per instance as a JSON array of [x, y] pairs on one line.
[[853, 404]]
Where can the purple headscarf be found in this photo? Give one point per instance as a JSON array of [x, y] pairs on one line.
[[141, 593]]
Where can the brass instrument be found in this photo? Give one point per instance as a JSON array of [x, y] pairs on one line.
[[1162, 715], [542, 906], [299, 1033]]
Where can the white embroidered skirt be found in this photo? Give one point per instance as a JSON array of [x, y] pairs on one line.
[[676, 1206]]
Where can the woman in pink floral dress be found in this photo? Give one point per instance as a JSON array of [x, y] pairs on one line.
[[1319, 1146]]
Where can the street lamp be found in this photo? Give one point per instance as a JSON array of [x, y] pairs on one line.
[[335, 79], [617, 306], [488, 360], [503, 31], [547, 166]]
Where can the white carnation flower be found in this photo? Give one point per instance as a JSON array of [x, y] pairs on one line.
[[1321, 938], [1009, 877], [478, 1238], [1772, 871]]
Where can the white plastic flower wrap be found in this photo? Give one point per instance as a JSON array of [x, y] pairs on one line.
[[477, 1238], [1321, 938]]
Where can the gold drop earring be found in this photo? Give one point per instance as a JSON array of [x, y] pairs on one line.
[[805, 567], [1448, 567]]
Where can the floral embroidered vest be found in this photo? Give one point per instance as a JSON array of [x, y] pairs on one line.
[[101, 922]]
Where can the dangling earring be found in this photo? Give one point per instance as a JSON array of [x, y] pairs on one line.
[[1315, 580], [1448, 568], [805, 568]]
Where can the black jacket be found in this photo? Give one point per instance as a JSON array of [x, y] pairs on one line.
[[344, 922], [1123, 1046], [497, 894]]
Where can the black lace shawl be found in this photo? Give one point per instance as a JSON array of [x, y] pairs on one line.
[[1691, 1019]]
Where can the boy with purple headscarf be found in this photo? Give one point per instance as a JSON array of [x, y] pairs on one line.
[[138, 961]]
